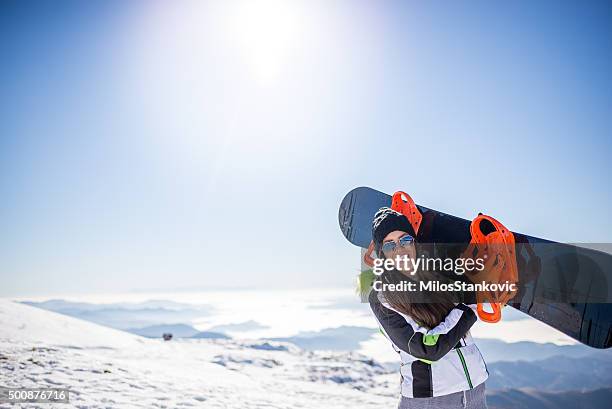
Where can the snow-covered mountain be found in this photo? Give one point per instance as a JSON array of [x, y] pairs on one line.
[[104, 367]]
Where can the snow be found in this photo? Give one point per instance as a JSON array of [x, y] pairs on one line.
[[104, 368]]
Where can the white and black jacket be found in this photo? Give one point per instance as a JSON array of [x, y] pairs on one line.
[[437, 361]]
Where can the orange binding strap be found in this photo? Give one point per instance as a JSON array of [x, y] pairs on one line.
[[403, 203], [504, 248], [487, 316]]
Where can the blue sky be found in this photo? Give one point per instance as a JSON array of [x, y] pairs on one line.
[[149, 145]]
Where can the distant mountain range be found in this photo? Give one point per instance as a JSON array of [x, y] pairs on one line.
[[127, 315], [177, 331], [343, 338], [554, 374], [533, 399], [249, 325], [494, 350]]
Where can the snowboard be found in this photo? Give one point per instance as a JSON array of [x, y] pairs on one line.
[[565, 286]]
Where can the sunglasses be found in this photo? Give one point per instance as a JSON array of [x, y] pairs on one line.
[[404, 241]]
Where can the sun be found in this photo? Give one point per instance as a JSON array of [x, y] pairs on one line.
[[266, 32]]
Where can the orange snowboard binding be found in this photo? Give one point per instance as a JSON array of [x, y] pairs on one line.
[[498, 248]]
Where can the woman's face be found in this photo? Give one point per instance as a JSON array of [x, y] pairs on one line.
[[403, 248]]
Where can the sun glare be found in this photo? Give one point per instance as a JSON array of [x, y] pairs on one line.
[[266, 32]]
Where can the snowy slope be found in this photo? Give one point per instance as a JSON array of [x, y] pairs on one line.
[[38, 326], [109, 368]]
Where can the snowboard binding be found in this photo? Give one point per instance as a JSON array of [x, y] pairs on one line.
[[498, 247]]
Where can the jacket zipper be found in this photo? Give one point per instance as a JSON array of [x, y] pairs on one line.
[[467, 374]]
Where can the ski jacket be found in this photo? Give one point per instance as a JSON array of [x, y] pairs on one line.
[[437, 361]]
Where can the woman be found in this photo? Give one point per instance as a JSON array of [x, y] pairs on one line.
[[441, 366]]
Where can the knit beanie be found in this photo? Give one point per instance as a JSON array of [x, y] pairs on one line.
[[387, 220]]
